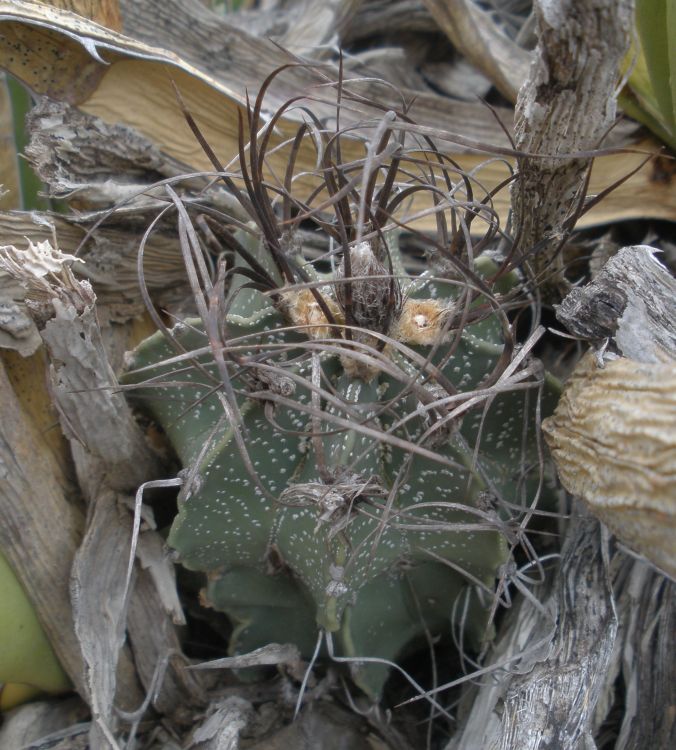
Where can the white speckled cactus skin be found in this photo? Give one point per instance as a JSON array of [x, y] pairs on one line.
[[373, 542]]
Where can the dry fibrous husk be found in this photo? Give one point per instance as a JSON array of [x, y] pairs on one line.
[[549, 665], [645, 601], [631, 301], [17, 329], [600, 635], [613, 434], [110, 256], [613, 438], [90, 163], [112, 459]]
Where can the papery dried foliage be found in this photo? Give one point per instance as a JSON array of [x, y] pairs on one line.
[[376, 173], [110, 457]]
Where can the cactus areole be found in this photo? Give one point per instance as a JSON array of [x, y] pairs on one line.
[[345, 486]]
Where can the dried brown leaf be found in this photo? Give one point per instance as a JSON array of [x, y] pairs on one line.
[[613, 437]]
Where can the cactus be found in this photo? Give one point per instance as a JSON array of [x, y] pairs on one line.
[[304, 550], [341, 434]]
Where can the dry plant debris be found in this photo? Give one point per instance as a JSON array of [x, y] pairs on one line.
[[613, 434], [329, 333]]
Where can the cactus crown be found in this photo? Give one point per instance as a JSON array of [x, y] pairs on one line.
[[348, 434]]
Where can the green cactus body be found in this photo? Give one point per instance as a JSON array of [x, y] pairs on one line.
[[369, 564]]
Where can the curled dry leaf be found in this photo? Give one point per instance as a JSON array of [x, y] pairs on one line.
[[110, 264], [613, 440]]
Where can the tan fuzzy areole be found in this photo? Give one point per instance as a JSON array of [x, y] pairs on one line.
[[301, 307], [421, 322]]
